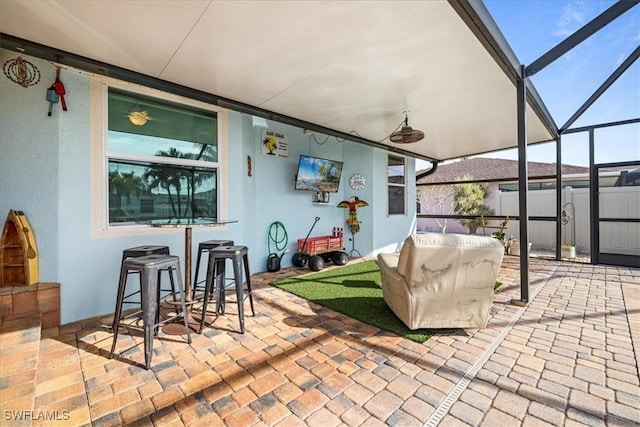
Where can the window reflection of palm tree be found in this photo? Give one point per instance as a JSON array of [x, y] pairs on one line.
[[123, 184], [207, 153], [165, 178]]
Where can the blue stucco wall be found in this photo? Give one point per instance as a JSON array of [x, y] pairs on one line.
[[29, 149], [45, 170]]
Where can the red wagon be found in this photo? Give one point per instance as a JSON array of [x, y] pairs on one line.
[[316, 251]]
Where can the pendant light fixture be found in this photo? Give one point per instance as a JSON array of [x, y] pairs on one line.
[[407, 134], [137, 116]]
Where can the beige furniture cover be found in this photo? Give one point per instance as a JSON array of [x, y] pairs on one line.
[[442, 280]]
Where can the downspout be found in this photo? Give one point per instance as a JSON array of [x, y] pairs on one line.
[[434, 166]]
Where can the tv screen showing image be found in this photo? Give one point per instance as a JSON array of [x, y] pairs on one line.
[[316, 174]]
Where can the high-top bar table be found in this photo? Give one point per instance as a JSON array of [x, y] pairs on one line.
[[187, 224]]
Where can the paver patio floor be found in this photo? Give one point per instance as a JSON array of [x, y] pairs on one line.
[[570, 357]]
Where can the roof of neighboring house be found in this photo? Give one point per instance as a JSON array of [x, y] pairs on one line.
[[480, 168]]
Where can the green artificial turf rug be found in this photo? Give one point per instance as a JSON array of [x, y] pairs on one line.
[[353, 290]]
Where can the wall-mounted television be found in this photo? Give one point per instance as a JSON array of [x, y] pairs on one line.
[[315, 174]]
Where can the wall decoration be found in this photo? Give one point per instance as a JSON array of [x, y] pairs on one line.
[[52, 97], [21, 71], [352, 219], [275, 144], [56, 93], [58, 86], [357, 182]]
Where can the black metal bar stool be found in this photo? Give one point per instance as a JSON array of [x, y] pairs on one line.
[[218, 256], [205, 246], [136, 252], [150, 268]]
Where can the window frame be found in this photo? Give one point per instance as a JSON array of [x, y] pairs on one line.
[[100, 156], [402, 185]]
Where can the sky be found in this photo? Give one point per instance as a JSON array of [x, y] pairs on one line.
[[532, 27]]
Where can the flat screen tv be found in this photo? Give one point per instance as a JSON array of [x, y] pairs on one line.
[[316, 174]]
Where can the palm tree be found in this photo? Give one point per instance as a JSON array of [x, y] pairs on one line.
[[166, 177], [207, 153], [328, 172], [178, 177], [123, 184]]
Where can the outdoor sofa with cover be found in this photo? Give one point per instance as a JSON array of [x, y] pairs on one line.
[[442, 280]]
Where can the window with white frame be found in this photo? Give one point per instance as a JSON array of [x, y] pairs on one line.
[[162, 159], [396, 185]]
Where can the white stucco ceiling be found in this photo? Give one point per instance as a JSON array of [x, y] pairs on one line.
[[348, 66]]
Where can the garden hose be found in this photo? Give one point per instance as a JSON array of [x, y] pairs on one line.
[[279, 243]]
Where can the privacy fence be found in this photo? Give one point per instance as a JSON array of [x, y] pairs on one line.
[[620, 202], [614, 202]]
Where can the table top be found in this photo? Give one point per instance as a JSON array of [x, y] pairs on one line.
[[189, 222]]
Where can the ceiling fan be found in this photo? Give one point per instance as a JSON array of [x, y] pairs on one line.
[[407, 134]]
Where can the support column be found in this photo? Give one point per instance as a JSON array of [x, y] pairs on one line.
[[594, 202], [558, 197], [523, 187]]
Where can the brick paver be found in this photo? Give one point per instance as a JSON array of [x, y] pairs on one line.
[[570, 358]]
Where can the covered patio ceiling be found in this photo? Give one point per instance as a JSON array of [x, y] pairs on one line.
[[337, 68]]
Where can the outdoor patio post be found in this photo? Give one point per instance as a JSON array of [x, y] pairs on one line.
[[594, 202], [523, 186], [558, 196]]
